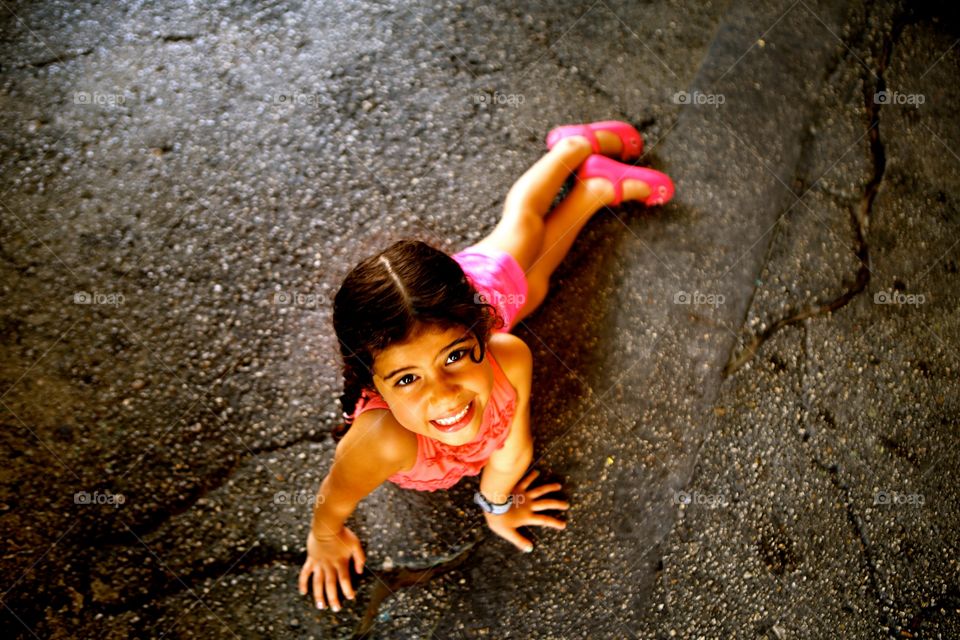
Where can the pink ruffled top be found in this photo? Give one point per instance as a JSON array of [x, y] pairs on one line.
[[439, 465]]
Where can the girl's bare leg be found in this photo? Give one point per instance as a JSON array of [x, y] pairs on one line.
[[539, 241]]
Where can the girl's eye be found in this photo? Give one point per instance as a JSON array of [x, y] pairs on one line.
[[455, 356], [460, 351]]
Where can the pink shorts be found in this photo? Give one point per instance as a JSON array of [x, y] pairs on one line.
[[498, 278]]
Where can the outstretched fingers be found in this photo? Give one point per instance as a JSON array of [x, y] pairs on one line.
[[304, 578], [523, 484], [333, 596], [359, 559], [345, 583], [547, 521], [517, 540], [543, 505], [318, 588], [539, 491]]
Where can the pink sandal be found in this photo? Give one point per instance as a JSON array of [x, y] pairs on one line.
[[598, 166], [629, 137]]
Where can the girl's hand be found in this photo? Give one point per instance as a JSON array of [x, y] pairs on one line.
[[522, 513], [328, 559]]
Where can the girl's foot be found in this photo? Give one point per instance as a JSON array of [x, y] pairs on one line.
[[626, 181], [609, 137], [603, 190]]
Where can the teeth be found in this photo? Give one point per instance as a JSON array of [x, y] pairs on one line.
[[455, 419]]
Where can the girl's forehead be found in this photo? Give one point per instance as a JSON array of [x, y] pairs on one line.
[[423, 346]]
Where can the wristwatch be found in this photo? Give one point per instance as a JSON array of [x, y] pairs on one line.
[[489, 507]]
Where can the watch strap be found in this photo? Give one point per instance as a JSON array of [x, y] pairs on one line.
[[490, 507]]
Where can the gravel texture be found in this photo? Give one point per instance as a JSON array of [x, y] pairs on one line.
[[749, 394]]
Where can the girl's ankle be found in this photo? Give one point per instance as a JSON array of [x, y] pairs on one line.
[[599, 188]]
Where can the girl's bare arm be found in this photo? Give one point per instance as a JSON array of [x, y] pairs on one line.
[[502, 473], [507, 464], [372, 450]]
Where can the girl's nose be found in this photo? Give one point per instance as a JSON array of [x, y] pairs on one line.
[[445, 395]]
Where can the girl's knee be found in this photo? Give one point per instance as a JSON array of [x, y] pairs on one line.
[[521, 236]]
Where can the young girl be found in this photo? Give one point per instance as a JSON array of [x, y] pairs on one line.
[[435, 386]]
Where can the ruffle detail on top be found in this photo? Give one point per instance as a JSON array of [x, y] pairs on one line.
[[440, 466]]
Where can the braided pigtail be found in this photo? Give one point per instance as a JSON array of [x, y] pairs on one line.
[[353, 386]]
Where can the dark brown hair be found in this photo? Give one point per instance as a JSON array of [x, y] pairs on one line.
[[393, 296]]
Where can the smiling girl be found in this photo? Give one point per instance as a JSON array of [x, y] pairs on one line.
[[435, 386]]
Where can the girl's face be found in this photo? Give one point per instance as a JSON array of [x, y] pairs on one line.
[[431, 377]]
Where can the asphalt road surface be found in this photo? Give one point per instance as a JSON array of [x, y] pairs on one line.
[[750, 394]]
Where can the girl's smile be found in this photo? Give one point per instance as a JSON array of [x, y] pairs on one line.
[[433, 386], [455, 422]]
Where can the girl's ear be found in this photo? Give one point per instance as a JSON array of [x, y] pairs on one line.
[[377, 383]]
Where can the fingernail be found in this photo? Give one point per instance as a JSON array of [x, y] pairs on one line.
[[336, 608], [528, 549], [319, 605]]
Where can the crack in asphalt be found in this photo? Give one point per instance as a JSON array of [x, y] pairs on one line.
[[62, 57], [859, 214], [834, 475], [389, 582], [860, 217]]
